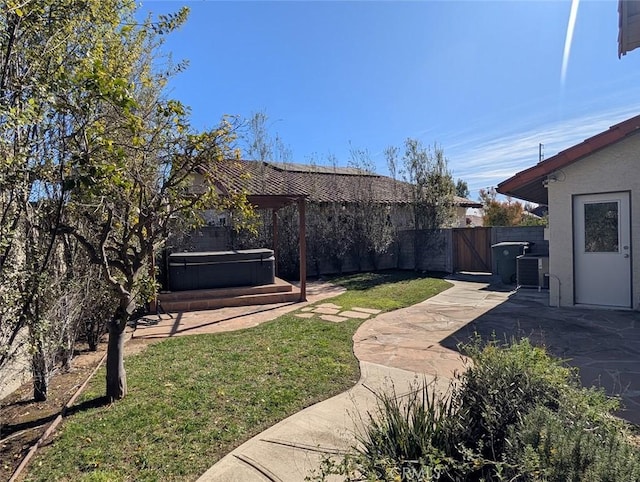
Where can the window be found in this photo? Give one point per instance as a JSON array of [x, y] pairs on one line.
[[601, 227]]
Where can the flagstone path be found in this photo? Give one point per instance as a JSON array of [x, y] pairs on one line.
[[334, 313]]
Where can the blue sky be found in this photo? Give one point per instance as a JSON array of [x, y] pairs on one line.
[[482, 79]]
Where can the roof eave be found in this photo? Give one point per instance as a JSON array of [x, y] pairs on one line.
[[529, 184], [469, 204]]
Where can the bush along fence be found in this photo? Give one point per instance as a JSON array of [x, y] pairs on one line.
[[331, 251]]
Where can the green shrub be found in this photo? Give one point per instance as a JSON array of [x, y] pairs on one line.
[[515, 414], [502, 385], [571, 447]]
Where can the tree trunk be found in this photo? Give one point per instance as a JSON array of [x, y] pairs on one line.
[[40, 374], [373, 257], [66, 350], [92, 339], [116, 375]]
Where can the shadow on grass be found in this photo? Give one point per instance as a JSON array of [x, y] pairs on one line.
[[87, 405], [365, 281], [178, 327]]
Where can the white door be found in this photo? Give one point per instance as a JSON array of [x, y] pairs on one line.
[[602, 249]]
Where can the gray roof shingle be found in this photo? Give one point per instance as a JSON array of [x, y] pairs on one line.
[[317, 183]]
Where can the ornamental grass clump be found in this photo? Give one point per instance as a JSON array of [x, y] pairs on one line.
[[414, 433]]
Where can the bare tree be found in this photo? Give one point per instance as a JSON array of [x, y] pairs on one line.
[[431, 193]]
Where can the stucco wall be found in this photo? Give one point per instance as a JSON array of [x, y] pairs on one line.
[[18, 368], [461, 218], [611, 169]]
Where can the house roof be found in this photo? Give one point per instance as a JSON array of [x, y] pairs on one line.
[[628, 27], [316, 183], [528, 184], [308, 168]]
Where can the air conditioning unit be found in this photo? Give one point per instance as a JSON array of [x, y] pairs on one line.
[[531, 270]]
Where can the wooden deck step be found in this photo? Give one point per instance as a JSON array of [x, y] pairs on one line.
[[180, 301], [280, 286]]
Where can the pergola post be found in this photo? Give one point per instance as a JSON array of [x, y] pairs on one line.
[[303, 248], [275, 203], [274, 217]]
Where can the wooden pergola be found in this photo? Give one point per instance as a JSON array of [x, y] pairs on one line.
[[275, 203]]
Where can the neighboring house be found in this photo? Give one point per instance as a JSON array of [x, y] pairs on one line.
[[462, 219], [322, 184], [593, 193], [474, 218], [540, 211]]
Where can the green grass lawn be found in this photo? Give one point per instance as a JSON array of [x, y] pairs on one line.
[[193, 399], [386, 290]]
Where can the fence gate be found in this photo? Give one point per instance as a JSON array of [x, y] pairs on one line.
[[472, 249]]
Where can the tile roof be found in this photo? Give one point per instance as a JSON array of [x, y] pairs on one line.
[[317, 183], [528, 184]]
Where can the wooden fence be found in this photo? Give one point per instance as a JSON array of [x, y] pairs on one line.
[[444, 250]]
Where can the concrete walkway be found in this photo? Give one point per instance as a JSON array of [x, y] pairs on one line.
[[419, 342], [396, 350]]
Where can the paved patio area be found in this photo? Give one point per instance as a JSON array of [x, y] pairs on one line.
[[603, 344]]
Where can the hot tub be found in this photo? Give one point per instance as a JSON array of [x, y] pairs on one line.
[[220, 269]]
